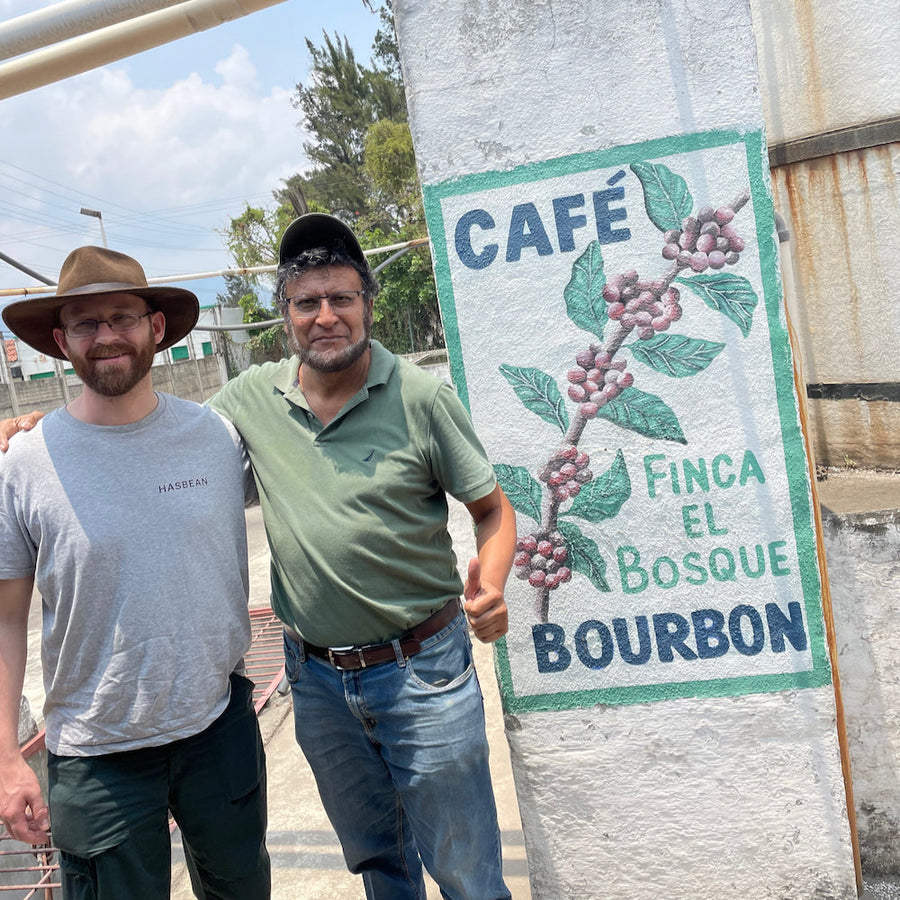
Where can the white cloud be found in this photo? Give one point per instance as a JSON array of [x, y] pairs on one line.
[[165, 166]]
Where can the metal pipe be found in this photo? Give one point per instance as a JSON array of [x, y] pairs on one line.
[[68, 19], [23, 268], [81, 54], [196, 276]]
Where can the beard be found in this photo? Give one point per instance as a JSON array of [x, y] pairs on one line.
[[335, 360], [118, 379]]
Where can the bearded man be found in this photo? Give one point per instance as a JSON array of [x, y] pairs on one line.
[[145, 619], [354, 451]]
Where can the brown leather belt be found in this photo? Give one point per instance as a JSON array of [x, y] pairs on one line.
[[352, 658]]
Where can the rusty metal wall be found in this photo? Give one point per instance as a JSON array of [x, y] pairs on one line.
[[826, 66], [844, 219], [828, 85]]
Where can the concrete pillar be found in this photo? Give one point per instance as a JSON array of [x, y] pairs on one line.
[[598, 199]]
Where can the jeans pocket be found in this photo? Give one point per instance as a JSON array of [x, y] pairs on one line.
[[292, 662], [445, 665]]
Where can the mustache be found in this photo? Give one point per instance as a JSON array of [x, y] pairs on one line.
[[110, 350]]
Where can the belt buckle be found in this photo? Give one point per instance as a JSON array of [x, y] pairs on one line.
[[359, 651]]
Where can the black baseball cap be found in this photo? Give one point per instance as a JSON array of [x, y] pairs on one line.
[[318, 230]]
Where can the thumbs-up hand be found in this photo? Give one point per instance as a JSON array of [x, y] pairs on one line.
[[484, 605]]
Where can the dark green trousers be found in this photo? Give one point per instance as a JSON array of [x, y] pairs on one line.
[[109, 814]]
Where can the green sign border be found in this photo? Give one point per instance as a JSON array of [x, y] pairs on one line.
[[796, 463]]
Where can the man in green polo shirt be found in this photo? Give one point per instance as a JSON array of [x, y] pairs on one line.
[[354, 451]]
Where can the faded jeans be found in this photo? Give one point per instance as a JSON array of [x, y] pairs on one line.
[[400, 757]]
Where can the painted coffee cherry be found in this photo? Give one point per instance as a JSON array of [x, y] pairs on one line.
[[724, 214], [584, 358]]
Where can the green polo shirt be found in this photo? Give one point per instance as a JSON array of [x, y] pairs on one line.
[[356, 511]]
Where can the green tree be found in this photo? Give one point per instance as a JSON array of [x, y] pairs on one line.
[[252, 237], [407, 317], [237, 287], [339, 102], [364, 171], [390, 164]]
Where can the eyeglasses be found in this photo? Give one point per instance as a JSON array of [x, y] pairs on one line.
[[307, 307], [120, 324]]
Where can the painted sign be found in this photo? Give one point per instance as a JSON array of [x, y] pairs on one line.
[[615, 325]]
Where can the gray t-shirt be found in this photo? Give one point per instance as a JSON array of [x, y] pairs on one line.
[[137, 540]]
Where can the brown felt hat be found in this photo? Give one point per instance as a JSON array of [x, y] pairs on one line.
[[98, 272]]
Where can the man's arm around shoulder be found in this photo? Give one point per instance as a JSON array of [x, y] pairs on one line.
[[9, 427], [22, 806], [495, 538]]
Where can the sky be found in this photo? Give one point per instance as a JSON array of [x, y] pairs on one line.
[[167, 145]]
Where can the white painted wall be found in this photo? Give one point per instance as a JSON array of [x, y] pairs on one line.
[[734, 797], [826, 66], [500, 84]]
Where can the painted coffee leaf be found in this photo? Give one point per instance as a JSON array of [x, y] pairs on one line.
[[644, 413], [666, 196], [676, 355], [538, 391], [583, 294], [603, 496]]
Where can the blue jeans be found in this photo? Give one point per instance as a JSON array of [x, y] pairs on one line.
[[400, 756]]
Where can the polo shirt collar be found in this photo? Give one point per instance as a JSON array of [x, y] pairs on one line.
[[284, 377], [381, 367]]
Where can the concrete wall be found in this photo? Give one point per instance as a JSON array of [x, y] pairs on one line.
[[863, 550], [691, 795]]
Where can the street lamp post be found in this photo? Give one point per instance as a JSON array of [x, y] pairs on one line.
[[99, 216]]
